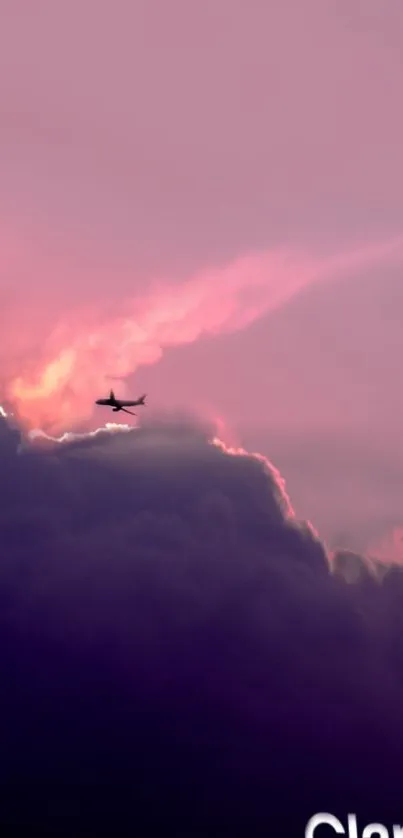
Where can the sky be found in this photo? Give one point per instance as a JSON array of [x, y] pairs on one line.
[[201, 201], [204, 203], [171, 172]]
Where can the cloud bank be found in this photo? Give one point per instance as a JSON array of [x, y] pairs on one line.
[[178, 653], [53, 368]]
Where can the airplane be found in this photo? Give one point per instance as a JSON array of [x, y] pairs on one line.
[[121, 404]]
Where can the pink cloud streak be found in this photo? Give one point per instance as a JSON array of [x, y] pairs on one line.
[[71, 362]]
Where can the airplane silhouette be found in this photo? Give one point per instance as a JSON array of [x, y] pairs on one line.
[[121, 404]]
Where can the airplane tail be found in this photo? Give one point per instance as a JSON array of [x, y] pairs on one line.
[[142, 399]]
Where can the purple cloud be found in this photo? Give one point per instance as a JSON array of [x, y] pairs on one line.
[[176, 650]]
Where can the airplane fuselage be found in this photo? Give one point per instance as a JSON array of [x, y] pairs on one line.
[[117, 404]]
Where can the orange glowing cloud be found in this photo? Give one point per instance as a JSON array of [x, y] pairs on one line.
[[55, 387]]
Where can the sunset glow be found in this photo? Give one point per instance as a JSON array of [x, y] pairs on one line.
[[75, 363]]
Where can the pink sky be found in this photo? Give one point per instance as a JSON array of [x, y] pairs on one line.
[[222, 150]]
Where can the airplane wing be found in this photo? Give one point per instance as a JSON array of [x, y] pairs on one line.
[[128, 411]]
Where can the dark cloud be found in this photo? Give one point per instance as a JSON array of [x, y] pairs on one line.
[[178, 655]]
